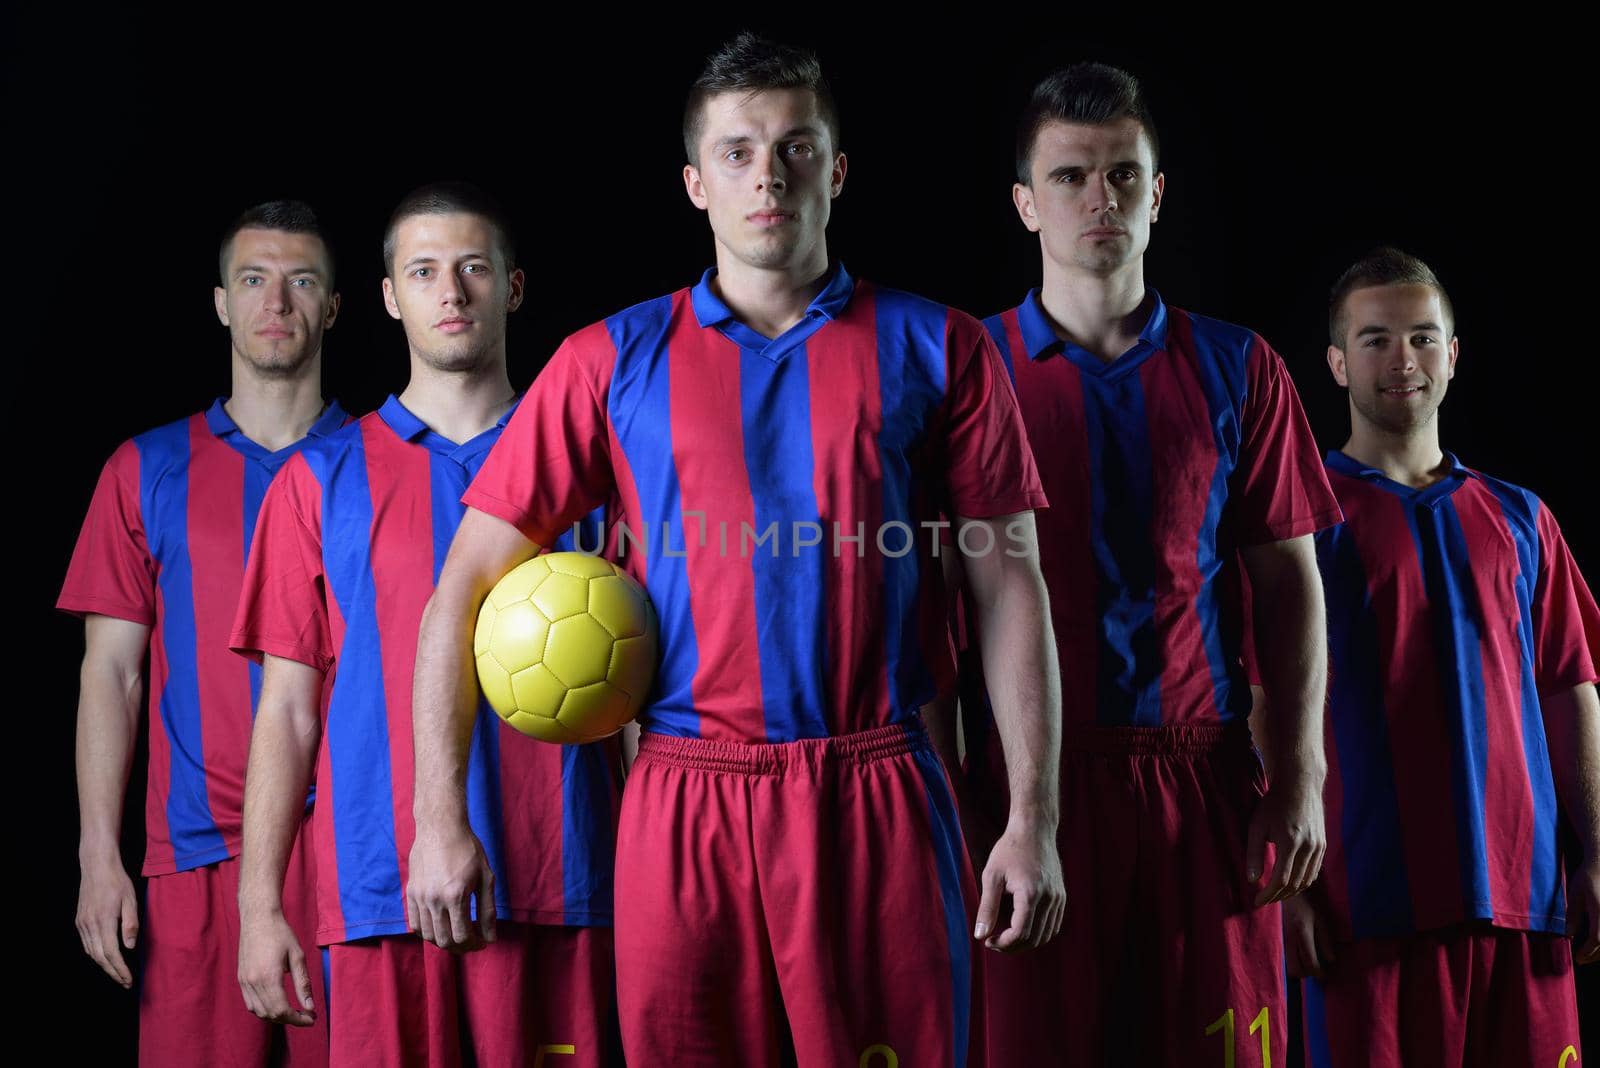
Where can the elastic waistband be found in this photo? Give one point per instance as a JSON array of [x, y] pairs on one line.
[[862, 747], [1181, 738]]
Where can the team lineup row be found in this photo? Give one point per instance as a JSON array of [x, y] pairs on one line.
[[864, 760]]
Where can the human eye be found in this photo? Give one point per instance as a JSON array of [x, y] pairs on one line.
[[421, 272], [251, 280], [303, 282], [800, 148]]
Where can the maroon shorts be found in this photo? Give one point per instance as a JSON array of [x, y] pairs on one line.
[[191, 1010], [538, 995], [1162, 959], [822, 879], [1466, 996]]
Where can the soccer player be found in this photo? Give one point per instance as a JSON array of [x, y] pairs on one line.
[[351, 538], [777, 434], [157, 569], [1169, 446], [1462, 726]]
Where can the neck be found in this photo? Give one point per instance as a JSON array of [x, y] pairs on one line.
[[769, 301], [275, 412], [1412, 459], [1102, 314], [459, 405]]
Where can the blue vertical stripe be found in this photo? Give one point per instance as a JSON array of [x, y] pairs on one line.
[[164, 503], [1318, 1055], [947, 850], [909, 330], [1121, 498], [586, 810], [1458, 628], [775, 405], [257, 477], [1546, 896], [1369, 826], [640, 411], [1221, 352], [996, 326], [357, 738]]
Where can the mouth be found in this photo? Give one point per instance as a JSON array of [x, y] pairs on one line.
[[770, 217], [1401, 391], [1105, 232], [453, 325], [275, 333]]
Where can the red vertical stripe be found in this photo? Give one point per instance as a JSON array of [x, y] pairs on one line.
[[708, 452], [1183, 455], [216, 559], [402, 550], [1507, 794], [1419, 741], [1050, 394], [846, 418], [158, 838]]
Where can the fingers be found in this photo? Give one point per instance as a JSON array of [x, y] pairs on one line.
[[1255, 849], [1024, 916], [1300, 946], [460, 923], [130, 922], [988, 903], [302, 980], [486, 916], [263, 989], [98, 933], [413, 913]]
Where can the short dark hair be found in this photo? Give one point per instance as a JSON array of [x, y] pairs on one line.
[[288, 216], [751, 63], [1383, 266], [1091, 94], [451, 198]]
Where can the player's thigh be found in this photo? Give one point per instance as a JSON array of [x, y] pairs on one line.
[[393, 1000], [541, 994]]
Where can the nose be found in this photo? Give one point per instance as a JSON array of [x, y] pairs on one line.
[[451, 292], [1405, 358], [278, 296], [1102, 195], [772, 176]]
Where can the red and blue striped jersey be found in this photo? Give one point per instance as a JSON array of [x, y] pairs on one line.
[[775, 492], [1451, 610], [350, 543], [164, 544], [1159, 465]]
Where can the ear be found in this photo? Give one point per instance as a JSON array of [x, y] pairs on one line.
[[332, 312], [836, 185], [1022, 197], [1337, 366], [1455, 350], [388, 299], [514, 290], [219, 297], [694, 187], [1160, 188]]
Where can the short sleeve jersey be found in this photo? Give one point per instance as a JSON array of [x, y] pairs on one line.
[[1452, 610], [351, 540], [1159, 465], [779, 498], [164, 544]]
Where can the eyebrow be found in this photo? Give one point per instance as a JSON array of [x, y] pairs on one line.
[[250, 268], [1378, 328], [792, 132], [473, 255]]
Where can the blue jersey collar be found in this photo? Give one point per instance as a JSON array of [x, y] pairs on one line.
[[1041, 340], [222, 426], [408, 427], [710, 311], [1345, 464]]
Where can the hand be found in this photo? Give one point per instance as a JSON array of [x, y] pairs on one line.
[[107, 909], [448, 869], [1583, 911], [1289, 817], [268, 950], [1307, 944], [1023, 865]]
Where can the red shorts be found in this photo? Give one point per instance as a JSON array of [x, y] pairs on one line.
[[538, 995], [1162, 958], [824, 879], [191, 1010], [1459, 997]]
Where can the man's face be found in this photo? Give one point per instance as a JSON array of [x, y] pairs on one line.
[[1093, 194], [766, 176], [1398, 357], [449, 287], [277, 299]]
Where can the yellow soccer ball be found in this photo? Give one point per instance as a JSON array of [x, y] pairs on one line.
[[566, 648]]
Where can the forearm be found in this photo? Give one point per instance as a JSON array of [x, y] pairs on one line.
[[108, 725], [1572, 730], [443, 706], [940, 717], [283, 751], [1019, 662], [1291, 644]]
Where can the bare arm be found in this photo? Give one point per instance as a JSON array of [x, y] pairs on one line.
[[109, 686], [448, 867], [283, 751], [1019, 661], [1291, 645], [1572, 729], [941, 713]]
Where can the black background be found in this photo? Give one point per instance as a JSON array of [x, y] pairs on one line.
[[1289, 149]]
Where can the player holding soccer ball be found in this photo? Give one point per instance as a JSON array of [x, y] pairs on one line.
[[158, 567], [1462, 726], [351, 537], [777, 435]]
